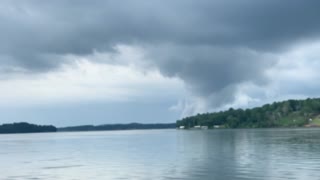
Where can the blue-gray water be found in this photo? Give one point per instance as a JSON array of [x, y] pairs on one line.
[[162, 154]]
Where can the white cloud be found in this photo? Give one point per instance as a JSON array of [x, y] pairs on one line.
[[297, 73], [125, 75], [87, 79], [295, 76], [190, 106]]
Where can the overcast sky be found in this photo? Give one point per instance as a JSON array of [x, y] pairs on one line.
[[97, 62]]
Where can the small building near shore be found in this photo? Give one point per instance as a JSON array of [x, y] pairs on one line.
[[204, 127]]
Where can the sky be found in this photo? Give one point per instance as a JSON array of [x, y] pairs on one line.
[[151, 61]]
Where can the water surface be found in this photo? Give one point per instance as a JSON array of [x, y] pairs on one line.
[[273, 154]]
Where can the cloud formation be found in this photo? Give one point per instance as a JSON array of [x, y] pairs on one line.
[[89, 81], [217, 47]]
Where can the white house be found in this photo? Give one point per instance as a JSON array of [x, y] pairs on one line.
[[204, 127]]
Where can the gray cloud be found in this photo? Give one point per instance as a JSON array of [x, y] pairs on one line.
[[211, 45], [210, 69]]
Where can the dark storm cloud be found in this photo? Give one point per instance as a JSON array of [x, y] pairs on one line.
[[211, 44], [209, 69]]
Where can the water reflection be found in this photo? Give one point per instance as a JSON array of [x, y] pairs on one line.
[[258, 154], [163, 154]]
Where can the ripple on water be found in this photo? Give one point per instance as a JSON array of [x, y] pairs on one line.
[[164, 154]]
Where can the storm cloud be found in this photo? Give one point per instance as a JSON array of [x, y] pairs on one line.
[[214, 46]]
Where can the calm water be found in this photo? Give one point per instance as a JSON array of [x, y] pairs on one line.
[[162, 154]]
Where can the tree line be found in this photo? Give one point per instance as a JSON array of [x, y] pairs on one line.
[[118, 127], [24, 127], [291, 113]]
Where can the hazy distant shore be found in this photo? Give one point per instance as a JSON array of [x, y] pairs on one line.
[[23, 127], [109, 127]]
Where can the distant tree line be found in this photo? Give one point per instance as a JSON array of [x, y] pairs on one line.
[[291, 113], [24, 127], [118, 127]]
